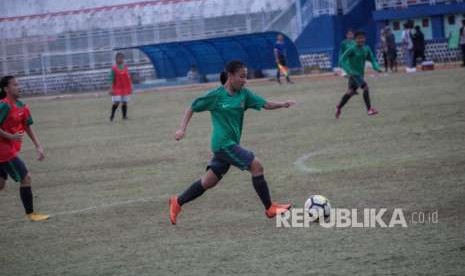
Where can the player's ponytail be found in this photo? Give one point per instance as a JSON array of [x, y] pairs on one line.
[[232, 67], [223, 77], [4, 82]]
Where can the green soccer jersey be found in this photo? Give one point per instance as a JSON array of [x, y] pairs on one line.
[[345, 44], [353, 60], [227, 113]]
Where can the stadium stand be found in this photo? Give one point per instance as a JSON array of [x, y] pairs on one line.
[[81, 36], [436, 18], [435, 50], [83, 40]]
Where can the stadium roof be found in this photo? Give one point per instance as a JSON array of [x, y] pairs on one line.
[[210, 56], [94, 9]]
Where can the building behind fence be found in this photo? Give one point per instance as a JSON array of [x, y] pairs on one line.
[[62, 46]]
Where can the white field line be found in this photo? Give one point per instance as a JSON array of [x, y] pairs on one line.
[[96, 207], [301, 163]]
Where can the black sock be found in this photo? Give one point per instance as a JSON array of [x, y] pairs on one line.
[[113, 110], [26, 197], [125, 110], [344, 100], [193, 192], [366, 98], [278, 76], [261, 187]]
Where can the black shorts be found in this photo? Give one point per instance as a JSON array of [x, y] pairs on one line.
[[282, 60], [233, 155], [15, 168], [356, 82]]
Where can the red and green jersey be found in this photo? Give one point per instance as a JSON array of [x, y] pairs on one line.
[[121, 80], [14, 117]]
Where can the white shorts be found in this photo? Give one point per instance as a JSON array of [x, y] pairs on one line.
[[123, 99]]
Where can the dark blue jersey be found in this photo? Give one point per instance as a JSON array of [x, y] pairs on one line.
[[281, 47]]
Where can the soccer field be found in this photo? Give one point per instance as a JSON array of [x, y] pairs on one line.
[[107, 185]]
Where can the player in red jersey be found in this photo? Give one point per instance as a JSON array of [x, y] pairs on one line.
[[15, 120], [121, 88]]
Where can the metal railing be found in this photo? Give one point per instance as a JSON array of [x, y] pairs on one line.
[[49, 48], [91, 47], [345, 6], [390, 4], [299, 14], [321, 7]]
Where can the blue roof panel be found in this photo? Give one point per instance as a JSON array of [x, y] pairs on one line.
[[174, 59]]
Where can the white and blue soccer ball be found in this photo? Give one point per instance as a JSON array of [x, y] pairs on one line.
[[317, 206]]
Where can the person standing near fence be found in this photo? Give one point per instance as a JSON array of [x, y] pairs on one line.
[[407, 45], [391, 49], [418, 45], [384, 49], [121, 87]]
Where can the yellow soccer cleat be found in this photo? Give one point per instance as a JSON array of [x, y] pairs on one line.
[[37, 216]]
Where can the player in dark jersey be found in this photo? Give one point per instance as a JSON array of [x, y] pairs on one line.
[[280, 55]]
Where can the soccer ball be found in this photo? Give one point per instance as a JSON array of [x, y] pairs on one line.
[[317, 205]]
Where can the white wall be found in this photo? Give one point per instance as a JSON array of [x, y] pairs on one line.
[[10, 8]]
